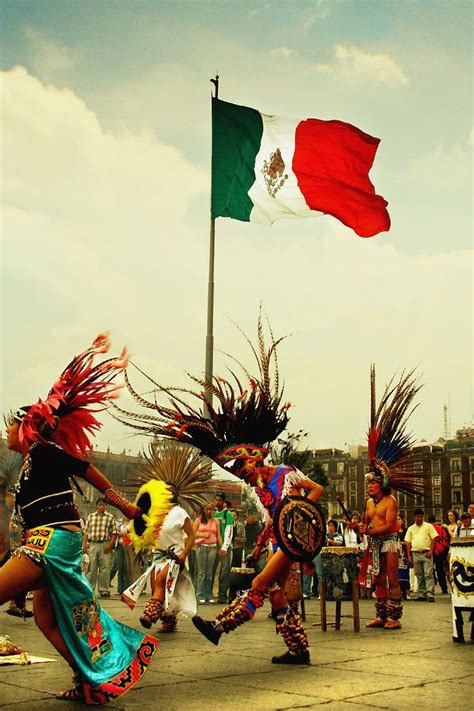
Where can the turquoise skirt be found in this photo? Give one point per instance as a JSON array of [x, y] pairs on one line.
[[109, 656]]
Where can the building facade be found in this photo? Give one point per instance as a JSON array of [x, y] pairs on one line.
[[447, 467]]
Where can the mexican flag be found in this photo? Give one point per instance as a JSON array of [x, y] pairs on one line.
[[268, 167]]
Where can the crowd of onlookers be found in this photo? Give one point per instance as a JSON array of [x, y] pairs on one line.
[[225, 537]]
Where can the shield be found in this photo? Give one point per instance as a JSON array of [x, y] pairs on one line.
[[300, 528]]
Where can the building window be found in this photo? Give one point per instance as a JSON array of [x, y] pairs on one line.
[[436, 481], [353, 472], [353, 503], [438, 514], [455, 465], [353, 487], [418, 500], [436, 497], [457, 497], [325, 467], [340, 468], [402, 499], [471, 464], [456, 480], [435, 466], [340, 486]]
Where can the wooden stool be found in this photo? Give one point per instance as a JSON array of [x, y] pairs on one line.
[[355, 607]]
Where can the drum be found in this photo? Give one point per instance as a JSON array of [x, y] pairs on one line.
[[461, 573], [339, 571], [240, 580]]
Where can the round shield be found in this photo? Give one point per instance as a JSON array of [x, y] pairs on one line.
[[300, 528]]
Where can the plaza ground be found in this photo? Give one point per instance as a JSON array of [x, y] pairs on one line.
[[417, 667]]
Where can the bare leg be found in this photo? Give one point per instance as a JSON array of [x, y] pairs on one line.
[[394, 605], [154, 607], [46, 620], [18, 576], [381, 593]]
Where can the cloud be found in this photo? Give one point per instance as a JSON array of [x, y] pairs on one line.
[[318, 11], [109, 229], [451, 166], [49, 57], [283, 52], [355, 64], [92, 221]]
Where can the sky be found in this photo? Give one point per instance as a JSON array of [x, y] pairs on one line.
[[106, 138]]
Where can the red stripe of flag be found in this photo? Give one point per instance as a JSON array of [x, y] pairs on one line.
[[332, 161]]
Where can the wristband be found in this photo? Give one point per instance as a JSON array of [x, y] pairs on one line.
[[112, 496]]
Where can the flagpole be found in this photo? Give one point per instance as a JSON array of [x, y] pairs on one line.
[[208, 370]]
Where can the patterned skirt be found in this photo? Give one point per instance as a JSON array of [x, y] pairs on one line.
[[109, 656]]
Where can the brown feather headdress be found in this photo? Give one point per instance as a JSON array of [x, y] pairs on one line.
[[182, 468], [248, 409]]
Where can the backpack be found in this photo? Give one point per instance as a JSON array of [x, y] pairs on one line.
[[443, 540]]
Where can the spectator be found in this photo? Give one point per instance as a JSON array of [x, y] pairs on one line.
[[352, 538], [467, 527], [226, 522], [452, 520], [333, 538], [441, 551], [238, 541], [99, 539], [253, 528], [420, 542], [403, 567], [470, 510], [208, 539]]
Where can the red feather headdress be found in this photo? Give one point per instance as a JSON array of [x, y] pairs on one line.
[[66, 417]]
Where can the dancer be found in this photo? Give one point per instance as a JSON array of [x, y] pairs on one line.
[[236, 434], [106, 657], [184, 477], [390, 467]]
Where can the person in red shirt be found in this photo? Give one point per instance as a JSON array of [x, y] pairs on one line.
[[441, 552]]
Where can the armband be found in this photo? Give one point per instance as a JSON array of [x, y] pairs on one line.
[[114, 497]]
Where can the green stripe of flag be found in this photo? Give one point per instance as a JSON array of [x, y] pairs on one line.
[[236, 137]]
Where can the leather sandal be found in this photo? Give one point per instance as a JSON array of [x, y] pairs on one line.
[[76, 694]]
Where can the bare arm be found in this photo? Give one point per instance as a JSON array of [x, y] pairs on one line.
[[189, 541], [218, 533], [315, 491], [111, 495]]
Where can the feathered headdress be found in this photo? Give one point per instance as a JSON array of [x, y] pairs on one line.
[[66, 417], [183, 469], [172, 471], [247, 415], [390, 455]]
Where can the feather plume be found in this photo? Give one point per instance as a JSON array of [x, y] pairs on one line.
[[244, 412], [389, 442], [67, 416]]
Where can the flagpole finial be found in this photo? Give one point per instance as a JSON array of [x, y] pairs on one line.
[[215, 81]]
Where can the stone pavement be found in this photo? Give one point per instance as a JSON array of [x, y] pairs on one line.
[[418, 667]]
